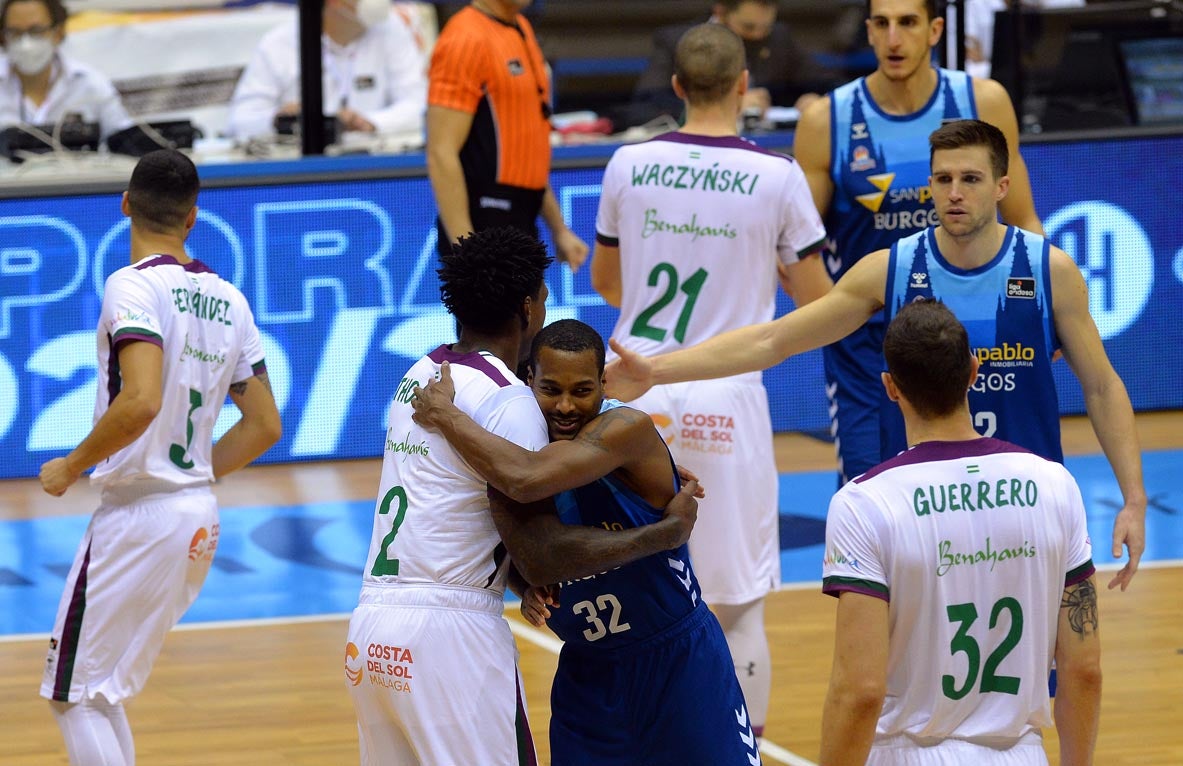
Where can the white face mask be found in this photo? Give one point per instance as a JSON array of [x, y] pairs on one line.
[[30, 54], [371, 13]]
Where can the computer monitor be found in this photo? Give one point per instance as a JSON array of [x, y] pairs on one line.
[[1061, 66], [1152, 75]]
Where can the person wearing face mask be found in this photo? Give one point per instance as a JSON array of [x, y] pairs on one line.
[[39, 85], [375, 77], [781, 72]]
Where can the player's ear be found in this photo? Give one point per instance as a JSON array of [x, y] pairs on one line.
[[974, 364], [678, 91], [524, 311], [1002, 190], [124, 207], [893, 393]]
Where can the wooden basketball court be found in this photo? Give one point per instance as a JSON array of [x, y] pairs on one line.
[[274, 693]]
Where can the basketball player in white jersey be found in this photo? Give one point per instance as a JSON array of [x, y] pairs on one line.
[[429, 659], [962, 567], [693, 229], [173, 339]]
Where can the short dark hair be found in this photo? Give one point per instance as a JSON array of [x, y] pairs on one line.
[[708, 60], [568, 335], [487, 275], [962, 133], [162, 190], [934, 9], [57, 11], [927, 353]]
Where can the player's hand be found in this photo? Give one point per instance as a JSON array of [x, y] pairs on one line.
[[682, 512], [57, 476], [629, 376], [434, 402], [1129, 528], [686, 475], [570, 248], [536, 603]]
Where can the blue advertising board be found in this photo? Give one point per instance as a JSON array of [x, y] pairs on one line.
[[341, 276]]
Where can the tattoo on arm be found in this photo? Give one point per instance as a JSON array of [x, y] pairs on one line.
[[593, 434], [1081, 602], [239, 388]]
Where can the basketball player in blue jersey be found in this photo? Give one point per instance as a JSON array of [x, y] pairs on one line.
[[1020, 298], [645, 676], [863, 152]]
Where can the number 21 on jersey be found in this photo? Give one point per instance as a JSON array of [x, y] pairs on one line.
[[667, 274]]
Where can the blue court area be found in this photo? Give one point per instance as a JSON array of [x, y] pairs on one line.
[[290, 561]]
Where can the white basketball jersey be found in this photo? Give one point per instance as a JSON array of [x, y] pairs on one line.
[[972, 544], [432, 522], [701, 223], [209, 339]]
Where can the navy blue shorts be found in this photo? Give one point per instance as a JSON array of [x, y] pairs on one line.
[[671, 700], [856, 395]]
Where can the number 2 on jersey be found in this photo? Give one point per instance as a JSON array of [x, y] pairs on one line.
[[692, 287], [986, 422], [383, 564], [962, 642]]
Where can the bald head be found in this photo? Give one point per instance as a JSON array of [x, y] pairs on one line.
[[708, 61]]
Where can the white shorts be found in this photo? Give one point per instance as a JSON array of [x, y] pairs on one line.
[[139, 567], [432, 670], [722, 432], [904, 751]]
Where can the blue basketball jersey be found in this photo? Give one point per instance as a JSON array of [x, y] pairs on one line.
[[1006, 307], [645, 676], [879, 164], [631, 603]]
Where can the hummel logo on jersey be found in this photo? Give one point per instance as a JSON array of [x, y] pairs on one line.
[[858, 130], [919, 280], [1020, 287], [515, 67]]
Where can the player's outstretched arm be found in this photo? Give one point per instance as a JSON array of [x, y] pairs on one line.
[[858, 679], [1078, 671], [257, 429], [1108, 406], [611, 440], [857, 296], [132, 410], [545, 550]]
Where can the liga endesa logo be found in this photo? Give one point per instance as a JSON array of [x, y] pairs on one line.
[[203, 544], [353, 669]]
